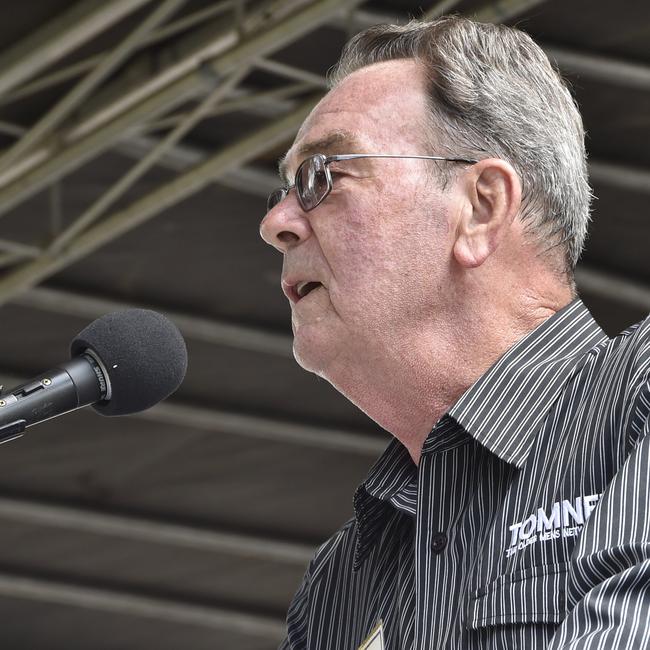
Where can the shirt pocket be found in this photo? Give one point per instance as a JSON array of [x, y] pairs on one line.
[[532, 595]]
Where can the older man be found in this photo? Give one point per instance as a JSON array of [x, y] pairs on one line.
[[435, 205]]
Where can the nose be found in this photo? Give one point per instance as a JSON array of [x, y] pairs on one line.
[[286, 225]]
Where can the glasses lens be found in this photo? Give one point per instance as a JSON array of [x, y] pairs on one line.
[[274, 198], [312, 183]]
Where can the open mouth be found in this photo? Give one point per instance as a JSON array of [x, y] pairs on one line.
[[304, 288]]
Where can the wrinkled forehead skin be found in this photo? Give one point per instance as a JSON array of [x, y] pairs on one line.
[[383, 106]]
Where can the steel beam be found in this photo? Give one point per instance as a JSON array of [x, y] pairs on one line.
[[250, 180], [635, 179], [73, 70], [220, 422], [206, 330], [618, 72], [66, 161], [178, 84], [607, 69], [189, 21], [13, 130], [53, 78], [258, 428], [99, 207], [360, 19], [617, 288], [19, 249], [133, 604], [63, 108], [137, 83], [248, 148], [10, 259], [440, 8], [271, 26], [260, 183], [59, 37], [53, 165], [500, 11], [613, 287], [154, 530], [291, 72], [266, 103]]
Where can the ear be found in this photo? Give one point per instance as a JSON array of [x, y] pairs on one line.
[[492, 193]]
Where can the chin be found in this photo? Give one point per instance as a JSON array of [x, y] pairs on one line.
[[310, 353], [305, 359]]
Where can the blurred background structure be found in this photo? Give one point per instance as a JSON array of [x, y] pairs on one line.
[[138, 141]]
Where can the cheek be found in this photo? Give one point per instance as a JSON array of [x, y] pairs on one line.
[[368, 281], [358, 258], [385, 256]]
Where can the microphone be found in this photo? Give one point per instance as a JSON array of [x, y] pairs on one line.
[[122, 363]]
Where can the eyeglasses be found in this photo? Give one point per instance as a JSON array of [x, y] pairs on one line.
[[313, 181]]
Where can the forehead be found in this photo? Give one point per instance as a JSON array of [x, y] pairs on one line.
[[380, 107]]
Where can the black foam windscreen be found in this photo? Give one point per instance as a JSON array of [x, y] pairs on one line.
[[143, 353]]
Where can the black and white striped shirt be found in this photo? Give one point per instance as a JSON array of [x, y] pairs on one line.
[[526, 524]]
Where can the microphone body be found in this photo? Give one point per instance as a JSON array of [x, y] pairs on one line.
[[121, 363], [75, 383]]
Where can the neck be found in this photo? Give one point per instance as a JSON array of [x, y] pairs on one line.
[[407, 388]]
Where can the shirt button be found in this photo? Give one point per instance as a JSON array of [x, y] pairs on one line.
[[438, 542]]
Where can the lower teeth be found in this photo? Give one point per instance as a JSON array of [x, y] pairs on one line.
[[310, 287]]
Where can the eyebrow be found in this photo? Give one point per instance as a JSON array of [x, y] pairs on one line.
[[335, 142]]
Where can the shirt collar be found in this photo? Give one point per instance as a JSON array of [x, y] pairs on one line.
[[391, 473], [503, 409]]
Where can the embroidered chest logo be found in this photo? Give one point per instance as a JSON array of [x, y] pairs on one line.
[[565, 519]]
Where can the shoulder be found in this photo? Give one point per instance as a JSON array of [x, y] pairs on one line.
[[299, 616], [626, 355], [340, 545], [633, 342], [618, 374], [342, 542]]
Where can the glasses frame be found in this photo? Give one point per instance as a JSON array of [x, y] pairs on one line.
[[278, 195]]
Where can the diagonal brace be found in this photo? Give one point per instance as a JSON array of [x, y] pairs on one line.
[[83, 89], [155, 202]]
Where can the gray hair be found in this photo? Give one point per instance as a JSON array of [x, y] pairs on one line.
[[493, 92]]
